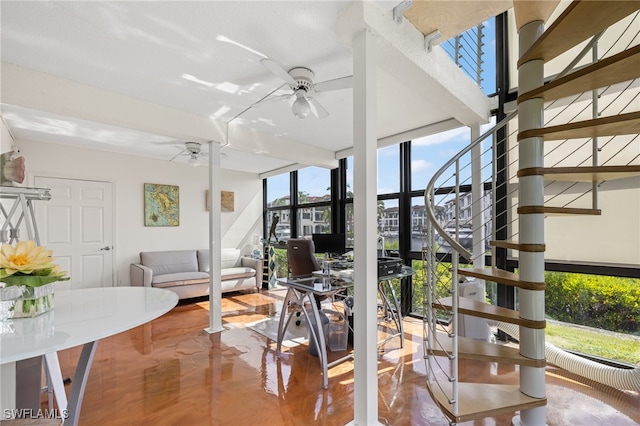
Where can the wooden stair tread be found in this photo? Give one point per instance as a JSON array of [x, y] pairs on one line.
[[485, 310], [623, 66], [577, 23], [529, 11], [582, 174], [562, 211], [514, 245], [623, 124], [478, 400], [480, 350], [500, 276]]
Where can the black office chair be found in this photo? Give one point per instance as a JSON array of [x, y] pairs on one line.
[[302, 261], [301, 257]]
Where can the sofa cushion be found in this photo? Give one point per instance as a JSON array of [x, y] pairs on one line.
[[179, 278], [229, 258], [168, 262], [237, 273]]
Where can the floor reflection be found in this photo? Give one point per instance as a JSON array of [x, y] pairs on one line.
[[171, 372]]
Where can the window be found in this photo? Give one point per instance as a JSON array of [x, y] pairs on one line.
[[314, 185], [430, 153], [315, 220], [282, 229], [278, 191], [308, 212], [389, 170]]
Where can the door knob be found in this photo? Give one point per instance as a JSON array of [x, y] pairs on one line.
[[106, 248]]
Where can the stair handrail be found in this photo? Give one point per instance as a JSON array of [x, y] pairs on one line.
[[430, 186]]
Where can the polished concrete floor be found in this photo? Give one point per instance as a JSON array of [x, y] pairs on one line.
[[171, 372]]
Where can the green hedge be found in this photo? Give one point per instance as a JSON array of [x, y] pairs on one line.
[[609, 303]]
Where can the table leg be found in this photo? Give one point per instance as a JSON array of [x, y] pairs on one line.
[[29, 383], [55, 380], [80, 382]]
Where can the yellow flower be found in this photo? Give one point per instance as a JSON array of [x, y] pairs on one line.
[[24, 258]]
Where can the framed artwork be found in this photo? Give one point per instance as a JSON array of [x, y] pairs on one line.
[[161, 205], [226, 201]]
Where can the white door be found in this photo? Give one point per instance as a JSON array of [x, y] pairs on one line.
[[77, 224]]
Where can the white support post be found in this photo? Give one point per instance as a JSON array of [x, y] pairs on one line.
[[215, 238], [478, 221], [531, 193], [365, 169]]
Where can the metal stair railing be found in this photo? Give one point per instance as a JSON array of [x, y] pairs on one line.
[[466, 50]]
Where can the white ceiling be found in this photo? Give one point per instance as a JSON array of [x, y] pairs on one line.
[[199, 60]]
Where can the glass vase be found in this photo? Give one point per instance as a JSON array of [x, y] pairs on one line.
[[20, 301]]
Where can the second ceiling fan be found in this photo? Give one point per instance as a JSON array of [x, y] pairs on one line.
[[303, 89]]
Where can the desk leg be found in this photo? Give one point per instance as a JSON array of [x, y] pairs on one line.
[[80, 382], [318, 335], [394, 308], [281, 324]]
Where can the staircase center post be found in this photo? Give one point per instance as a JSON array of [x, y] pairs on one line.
[[531, 193]]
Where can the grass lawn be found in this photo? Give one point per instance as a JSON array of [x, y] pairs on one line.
[[616, 346]]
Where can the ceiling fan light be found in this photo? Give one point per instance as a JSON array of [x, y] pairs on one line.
[[301, 107], [193, 161]]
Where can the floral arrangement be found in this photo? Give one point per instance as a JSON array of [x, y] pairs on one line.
[[29, 265]]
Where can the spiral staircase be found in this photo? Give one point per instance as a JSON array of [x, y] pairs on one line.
[[528, 177]]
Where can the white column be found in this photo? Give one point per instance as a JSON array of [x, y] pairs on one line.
[[477, 208], [365, 230], [531, 193], [215, 238]]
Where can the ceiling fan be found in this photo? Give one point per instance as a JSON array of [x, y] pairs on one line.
[[303, 89], [194, 151], [191, 149]]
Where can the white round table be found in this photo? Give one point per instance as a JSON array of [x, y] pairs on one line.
[[81, 317]]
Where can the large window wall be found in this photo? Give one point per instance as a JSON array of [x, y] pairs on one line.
[[324, 203], [314, 200]]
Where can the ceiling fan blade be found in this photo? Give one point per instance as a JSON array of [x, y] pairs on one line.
[[178, 154], [335, 84], [175, 143], [277, 70], [269, 101], [316, 109]]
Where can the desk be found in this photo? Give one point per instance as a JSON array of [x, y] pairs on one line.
[[82, 317], [299, 290], [303, 289]]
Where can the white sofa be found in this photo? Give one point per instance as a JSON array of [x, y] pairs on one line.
[[186, 272]]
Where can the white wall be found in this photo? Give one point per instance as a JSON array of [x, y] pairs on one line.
[[5, 138], [128, 175]]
